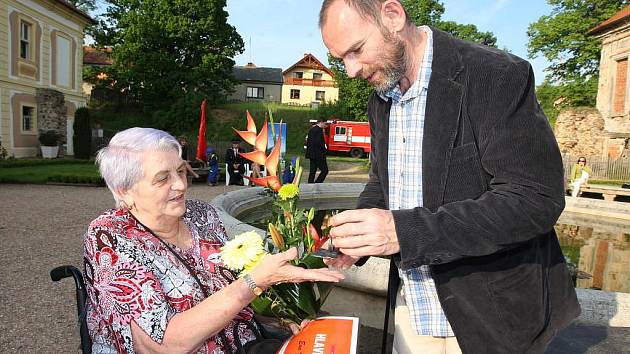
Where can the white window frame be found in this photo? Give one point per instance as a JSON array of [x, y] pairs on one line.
[[321, 76], [292, 92], [26, 35], [323, 94], [58, 63], [255, 92], [33, 120]]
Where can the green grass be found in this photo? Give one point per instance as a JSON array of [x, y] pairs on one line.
[[606, 182], [12, 163], [40, 174], [572, 252]]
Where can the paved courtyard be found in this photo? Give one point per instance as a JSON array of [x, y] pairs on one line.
[[41, 227]]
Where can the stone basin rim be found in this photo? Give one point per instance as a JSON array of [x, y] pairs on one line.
[[599, 308]]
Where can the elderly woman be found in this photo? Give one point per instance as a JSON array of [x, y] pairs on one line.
[[155, 280]]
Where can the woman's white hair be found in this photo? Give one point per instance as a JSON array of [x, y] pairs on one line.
[[120, 162]]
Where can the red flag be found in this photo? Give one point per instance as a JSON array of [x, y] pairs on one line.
[[201, 138]]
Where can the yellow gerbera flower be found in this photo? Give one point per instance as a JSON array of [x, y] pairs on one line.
[[288, 191], [242, 250], [248, 267]]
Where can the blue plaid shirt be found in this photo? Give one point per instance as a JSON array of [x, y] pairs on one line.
[[404, 161]]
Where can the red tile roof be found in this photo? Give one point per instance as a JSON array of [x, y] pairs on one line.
[[309, 61], [94, 56], [617, 19]]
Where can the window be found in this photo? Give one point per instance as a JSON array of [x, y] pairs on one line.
[[28, 119], [320, 95], [62, 61], [340, 130], [621, 79], [25, 40], [317, 76], [255, 92], [298, 75], [295, 94]]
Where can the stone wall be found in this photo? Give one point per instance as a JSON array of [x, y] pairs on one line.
[[580, 131], [51, 113]]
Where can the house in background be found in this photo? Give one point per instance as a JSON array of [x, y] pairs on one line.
[[308, 81], [40, 71], [96, 58], [613, 94], [257, 84]]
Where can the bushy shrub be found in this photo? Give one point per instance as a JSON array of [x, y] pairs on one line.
[[4, 154], [82, 134], [49, 138], [74, 179]]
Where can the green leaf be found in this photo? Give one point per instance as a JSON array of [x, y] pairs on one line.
[[312, 262], [324, 289], [262, 305], [301, 295]]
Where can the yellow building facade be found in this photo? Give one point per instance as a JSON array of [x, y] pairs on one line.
[[308, 81], [40, 62]]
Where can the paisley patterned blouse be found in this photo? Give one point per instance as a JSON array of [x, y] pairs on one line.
[[131, 275]]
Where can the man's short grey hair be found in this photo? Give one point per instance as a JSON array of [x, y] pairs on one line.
[[368, 9], [120, 162]]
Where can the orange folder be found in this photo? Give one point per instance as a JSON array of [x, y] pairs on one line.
[[325, 335]]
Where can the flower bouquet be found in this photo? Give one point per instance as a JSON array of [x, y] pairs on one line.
[[290, 227]]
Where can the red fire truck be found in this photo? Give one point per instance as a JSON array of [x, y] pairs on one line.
[[347, 136]]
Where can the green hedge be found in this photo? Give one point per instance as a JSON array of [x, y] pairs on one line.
[[82, 133], [14, 163], [76, 179]]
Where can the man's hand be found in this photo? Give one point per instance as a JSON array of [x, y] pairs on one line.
[[343, 261], [364, 232]]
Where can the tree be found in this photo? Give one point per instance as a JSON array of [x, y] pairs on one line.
[[562, 38], [354, 93], [166, 52], [84, 5], [429, 12]]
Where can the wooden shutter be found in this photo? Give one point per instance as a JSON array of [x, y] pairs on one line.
[[621, 78]]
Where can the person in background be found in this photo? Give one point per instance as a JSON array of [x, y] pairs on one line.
[[256, 172], [289, 171], [465, 186], [183, 142], [580, 172], [316, 152], [154, 275], [212, 161], [235, 163]]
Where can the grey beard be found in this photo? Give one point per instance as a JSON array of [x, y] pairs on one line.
[[395, 69]]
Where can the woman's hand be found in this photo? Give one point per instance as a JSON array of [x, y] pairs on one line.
[[276, 269], [295, 329]]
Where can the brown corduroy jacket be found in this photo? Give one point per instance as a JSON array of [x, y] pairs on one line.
[[492, 183]]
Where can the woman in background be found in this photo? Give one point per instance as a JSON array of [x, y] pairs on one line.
[[579, 176]]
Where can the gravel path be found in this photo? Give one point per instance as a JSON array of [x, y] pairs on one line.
[[41, 227]]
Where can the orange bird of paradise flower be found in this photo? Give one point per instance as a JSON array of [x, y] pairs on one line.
[[259, 142]]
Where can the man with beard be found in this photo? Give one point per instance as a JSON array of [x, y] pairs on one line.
[[464, 189]]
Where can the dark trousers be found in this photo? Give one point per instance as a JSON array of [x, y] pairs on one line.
[[236, 175], [323, 170]]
